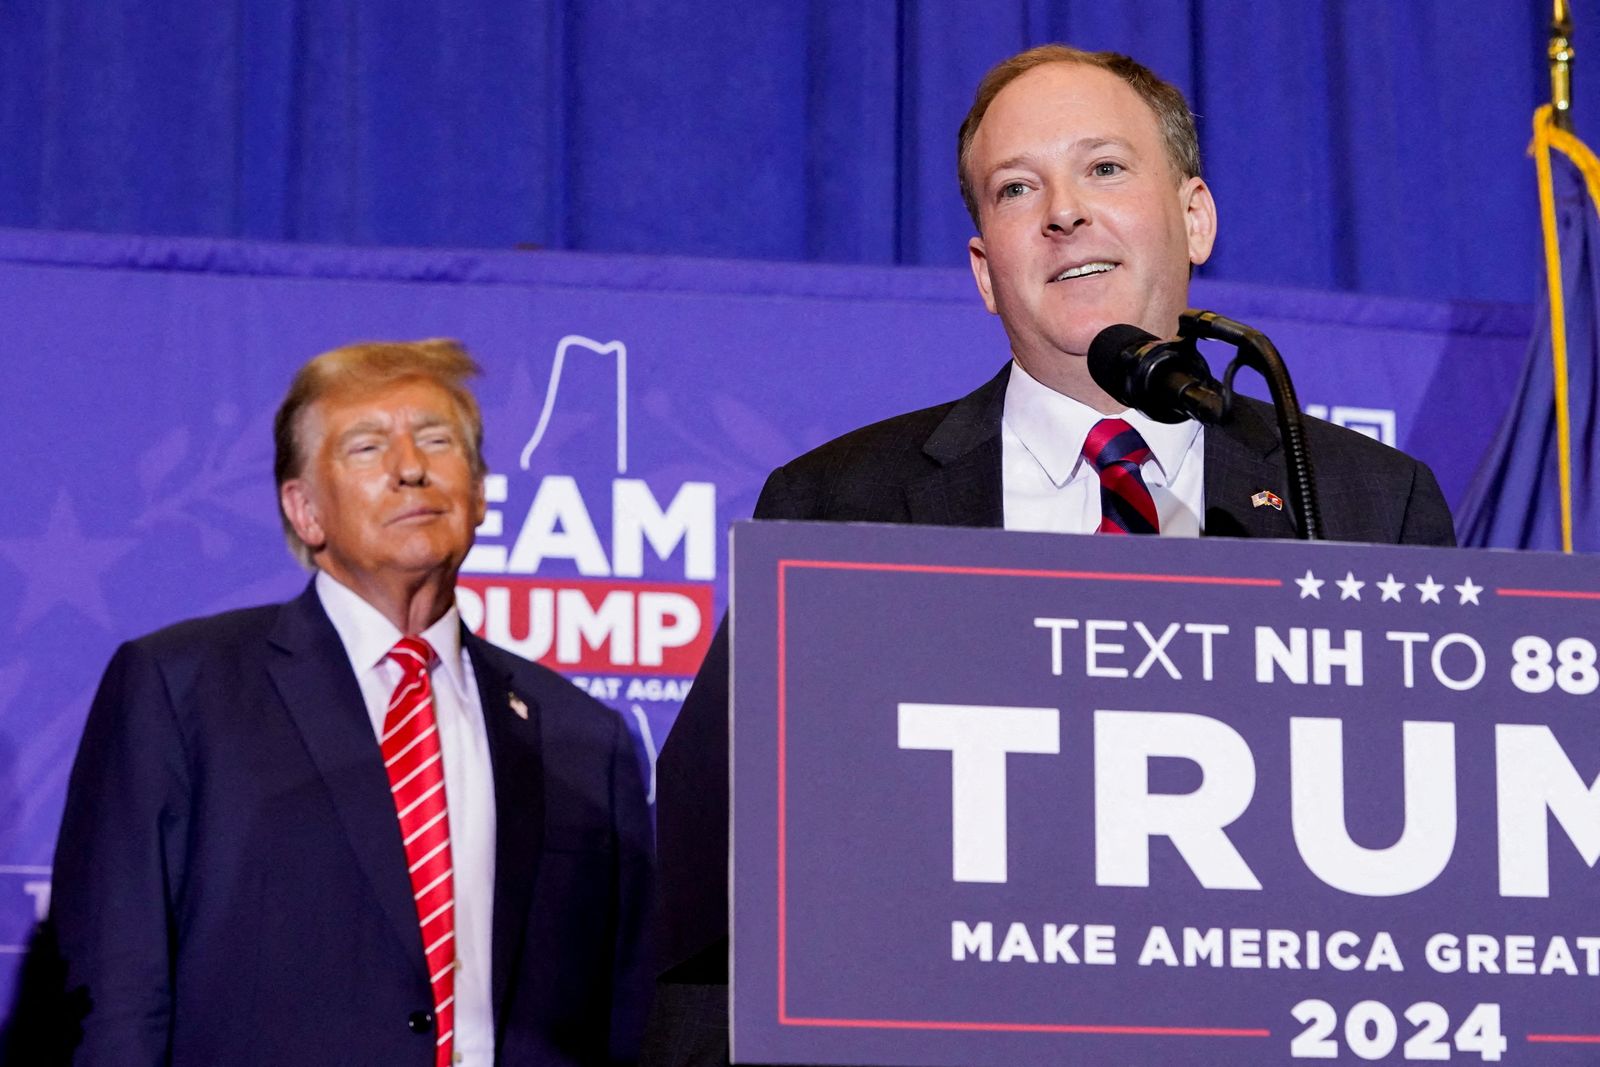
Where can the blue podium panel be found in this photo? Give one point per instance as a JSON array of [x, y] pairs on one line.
[[1036, 799]]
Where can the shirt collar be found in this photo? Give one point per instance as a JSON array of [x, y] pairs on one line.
[[368, 636], [1053, 426]]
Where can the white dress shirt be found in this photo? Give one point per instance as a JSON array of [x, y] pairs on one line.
[[468, 788], [1049, 486]]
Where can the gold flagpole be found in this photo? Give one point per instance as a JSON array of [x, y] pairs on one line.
[[1554, 123], [1561, 65]]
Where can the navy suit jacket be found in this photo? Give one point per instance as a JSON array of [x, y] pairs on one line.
[[942, 466], [230, 885]]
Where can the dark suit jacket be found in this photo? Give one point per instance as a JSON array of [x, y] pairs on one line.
[[230, 884], [942, 466]]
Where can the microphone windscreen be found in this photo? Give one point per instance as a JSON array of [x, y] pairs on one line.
[[1112, 359]]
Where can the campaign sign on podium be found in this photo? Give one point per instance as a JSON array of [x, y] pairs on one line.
[[1036, 799]]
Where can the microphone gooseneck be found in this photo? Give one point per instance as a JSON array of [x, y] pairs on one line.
[[1261, 355]]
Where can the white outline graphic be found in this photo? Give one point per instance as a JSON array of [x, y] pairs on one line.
[[616, 348], [1376, 423]]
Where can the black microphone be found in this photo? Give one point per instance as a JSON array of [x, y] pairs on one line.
[[1167, 380]]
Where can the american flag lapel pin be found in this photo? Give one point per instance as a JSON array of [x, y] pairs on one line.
[[518, 706], [1267, 499]]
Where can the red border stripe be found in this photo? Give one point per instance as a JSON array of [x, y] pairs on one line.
[[783, 793], [784, 1018], [1034, 1028], [1552, 594], [1017, 572]]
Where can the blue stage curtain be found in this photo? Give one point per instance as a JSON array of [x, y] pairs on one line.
[[1364, 145]]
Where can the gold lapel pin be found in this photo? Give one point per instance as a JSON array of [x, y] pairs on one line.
[[1267, 499], [518, 706]]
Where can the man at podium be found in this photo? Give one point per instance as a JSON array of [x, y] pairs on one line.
[[1081, 172]]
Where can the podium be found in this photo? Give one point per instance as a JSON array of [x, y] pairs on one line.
[[1006, 799]]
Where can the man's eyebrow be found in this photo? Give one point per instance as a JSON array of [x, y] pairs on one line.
[[363, 426], [1094, 144], [1014, 163], [1026, 160]]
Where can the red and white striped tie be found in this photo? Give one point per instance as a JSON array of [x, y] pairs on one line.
[[410, 748]]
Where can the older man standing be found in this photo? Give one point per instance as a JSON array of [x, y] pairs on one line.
[[1081, 171], [343, 829]]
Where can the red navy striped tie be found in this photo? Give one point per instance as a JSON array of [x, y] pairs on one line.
[[410, 748], [1117, 450]]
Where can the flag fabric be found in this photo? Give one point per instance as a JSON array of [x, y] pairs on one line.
[[1539, 484]]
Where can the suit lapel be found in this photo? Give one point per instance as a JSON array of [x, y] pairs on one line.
[[1242, 459], [966, 488], [516, 756], [313, 678]]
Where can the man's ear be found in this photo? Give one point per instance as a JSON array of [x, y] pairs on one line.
[[302, 513], [1199, 218], [980, 271], [480, 504]]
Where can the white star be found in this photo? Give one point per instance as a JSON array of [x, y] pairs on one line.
[[1349, 586], [1429, 589], [1469, 591], [1310, 586], [1391, 588]]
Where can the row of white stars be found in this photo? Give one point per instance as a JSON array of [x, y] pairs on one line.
[[1350, 588]]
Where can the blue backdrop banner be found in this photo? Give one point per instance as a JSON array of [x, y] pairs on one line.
[[633, 408]]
